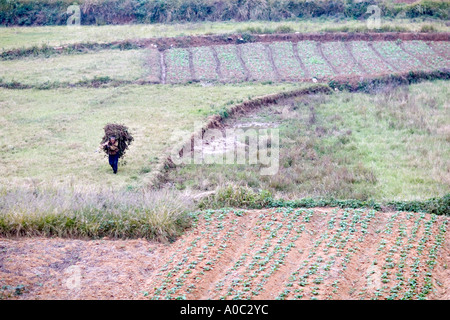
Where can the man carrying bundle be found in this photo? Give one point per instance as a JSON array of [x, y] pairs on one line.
[[115, 143], [112, 148]]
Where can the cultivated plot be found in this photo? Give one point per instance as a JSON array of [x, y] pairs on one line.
[[259, 62], [368, 59], [341, 59], [443, 49], [425, 54], [313, 60], [178, 66], [205, 64], [231, 66], [286, 61], [308, 254], [393, 54]]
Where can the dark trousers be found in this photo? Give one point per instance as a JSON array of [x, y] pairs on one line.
[[113, 161]]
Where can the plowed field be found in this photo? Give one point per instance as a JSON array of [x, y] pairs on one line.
[[284, 253], [300, 61]]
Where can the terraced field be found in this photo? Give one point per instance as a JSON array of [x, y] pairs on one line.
[[303, 60], [275, 61]]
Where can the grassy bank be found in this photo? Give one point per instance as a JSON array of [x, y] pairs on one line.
[[161, 215], [387, 150], [245, 197], [19, 37], [389, 145]]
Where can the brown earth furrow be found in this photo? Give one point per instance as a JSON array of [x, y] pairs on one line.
[[191, 64], [441, 272], [173, 259], [217, 60], [347, 46], [248, 75], [436, 51], [325, 58], [429, 251], [239, 245], [370, 45], [415, 56], [355, 274], [163, 67], [277, 282], [272, 62], [366, 266], [302, 65]]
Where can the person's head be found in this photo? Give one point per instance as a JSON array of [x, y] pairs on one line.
[[112, 139]]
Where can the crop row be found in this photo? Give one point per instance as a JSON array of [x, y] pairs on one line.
[[192, 261], [274, 240], [205, 64], [257, 60], [340, 58], [442, 49], [281, 254], [289, 61], [231, 67], [425, 53], [406, 262], [369, 60], [332, 252], [177, 66], [286, 61], [395, 56], [312, 59]]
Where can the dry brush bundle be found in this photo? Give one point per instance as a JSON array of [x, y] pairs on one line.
[[120, 132]]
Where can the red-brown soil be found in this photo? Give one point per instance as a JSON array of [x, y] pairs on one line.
[[321, 253]]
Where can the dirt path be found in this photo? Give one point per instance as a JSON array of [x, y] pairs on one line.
[[320, 253]]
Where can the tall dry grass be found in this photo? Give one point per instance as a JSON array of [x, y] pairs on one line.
[[156, 214]]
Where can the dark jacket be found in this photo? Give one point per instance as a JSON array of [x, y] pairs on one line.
[[112, 149]]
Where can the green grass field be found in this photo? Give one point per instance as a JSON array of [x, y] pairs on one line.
[[393, 145], [49, 136], [119, 65], [20, 37], [357, 207]]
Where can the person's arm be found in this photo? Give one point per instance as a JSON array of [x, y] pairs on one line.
[[103, 146]]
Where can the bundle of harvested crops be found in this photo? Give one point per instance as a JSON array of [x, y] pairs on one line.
[[120, 132]]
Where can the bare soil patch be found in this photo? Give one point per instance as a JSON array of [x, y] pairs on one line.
[[323, 253]]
